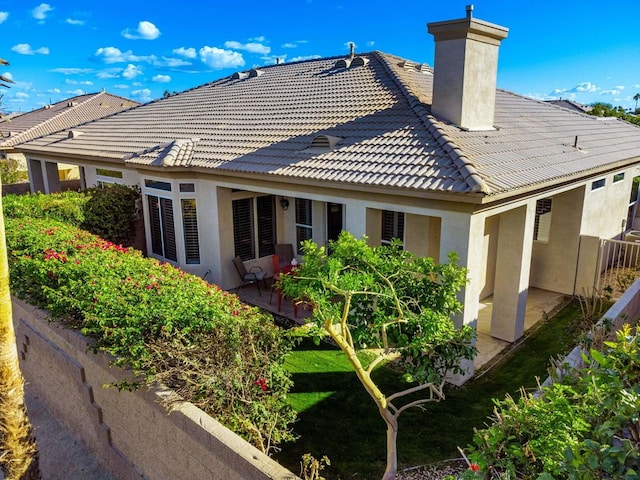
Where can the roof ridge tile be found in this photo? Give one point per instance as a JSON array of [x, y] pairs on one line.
[[465, 166]]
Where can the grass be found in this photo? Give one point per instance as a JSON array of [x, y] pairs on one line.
[[338, 419]]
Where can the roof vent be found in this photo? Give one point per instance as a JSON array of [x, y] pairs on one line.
[[423, 67], [359, 61], [326, 142], [343, 63], [47, 107], [407, 64], [71, 104], [240, 75], [254, 72], [75, 133]]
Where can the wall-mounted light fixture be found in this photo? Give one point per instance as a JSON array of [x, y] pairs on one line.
[[284, 203]]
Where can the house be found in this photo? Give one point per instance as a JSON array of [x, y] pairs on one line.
[[380, 146], [53, 118], [570, 105]]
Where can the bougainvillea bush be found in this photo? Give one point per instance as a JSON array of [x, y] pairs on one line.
[[166, 325]]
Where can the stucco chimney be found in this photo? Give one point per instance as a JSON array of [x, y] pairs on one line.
[[465, 70]]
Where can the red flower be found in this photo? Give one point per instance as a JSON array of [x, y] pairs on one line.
[[474, 467], [262, 383]]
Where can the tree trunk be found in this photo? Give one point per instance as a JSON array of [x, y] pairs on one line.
[[18, 450], [392, 451]]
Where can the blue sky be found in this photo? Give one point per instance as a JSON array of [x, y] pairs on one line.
[[587, 51]]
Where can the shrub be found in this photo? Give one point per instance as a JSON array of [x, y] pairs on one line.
[[111, 211], [585, 426], [66, 206], [10, 172], [166, 325]]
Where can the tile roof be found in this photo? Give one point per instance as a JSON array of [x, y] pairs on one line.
[[58, 116], [265, 124]]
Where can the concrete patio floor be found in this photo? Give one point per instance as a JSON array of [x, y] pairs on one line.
[[540, 304]]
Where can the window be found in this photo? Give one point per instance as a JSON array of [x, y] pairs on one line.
[[190, 229], [633, 203], [254, 226], [105, 176], [163, 235], [598, 184], [618, 177], [187, 187], [157, 185], [542, 225], [304, 222], [392, 226]]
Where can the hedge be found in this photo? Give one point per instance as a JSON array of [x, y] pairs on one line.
[[166, 325]]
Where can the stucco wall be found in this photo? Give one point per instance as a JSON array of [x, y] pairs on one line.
[[553, 265], [605, 208], [131, 433]]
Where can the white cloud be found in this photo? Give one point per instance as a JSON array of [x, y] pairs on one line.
[[115, 55], [144, 94], [260, 39], [8, 75], [77, 91], [370, 43], [71, 71], [121, 86], [109, 73], [136, 84], [619, 87], [131, 72], [25, 49], [170, 62], [3, 16], [185, 52], [611, 92], [72, 21], [306, 57], [40, 12], [585, 87], [22, 95], [145, 31], [249, 47], [69, 81], [161, 78], [289, 45], [54, 90], [218, 58]]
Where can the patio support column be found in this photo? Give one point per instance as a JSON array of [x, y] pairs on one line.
[[462, 233], [356, 218], [52, 178], [513, 264]]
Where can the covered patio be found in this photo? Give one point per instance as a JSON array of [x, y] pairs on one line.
[[541, 304]]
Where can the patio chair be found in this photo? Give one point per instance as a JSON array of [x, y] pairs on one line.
[[253, 275], [284, 251]]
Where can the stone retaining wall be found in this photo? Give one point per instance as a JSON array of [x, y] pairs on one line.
[[131, 433]]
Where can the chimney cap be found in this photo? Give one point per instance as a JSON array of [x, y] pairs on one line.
[[469, 10]]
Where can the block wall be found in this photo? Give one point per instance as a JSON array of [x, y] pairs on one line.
[[131, 433]]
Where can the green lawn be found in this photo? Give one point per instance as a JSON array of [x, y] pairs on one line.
[[338, 419]]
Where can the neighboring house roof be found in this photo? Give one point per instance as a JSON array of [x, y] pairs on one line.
[[58, 116], [265, 121], [570, 105]]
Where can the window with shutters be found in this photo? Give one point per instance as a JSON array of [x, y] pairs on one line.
[[163, 235], [190, 230], [304, 222], [392, 226], [254, 227], [542, 225]]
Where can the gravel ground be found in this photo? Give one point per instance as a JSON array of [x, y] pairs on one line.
[[433, 472]]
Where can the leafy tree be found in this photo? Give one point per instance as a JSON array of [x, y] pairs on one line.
[[18, 450], [636, 97], [396, 307]]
